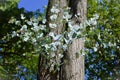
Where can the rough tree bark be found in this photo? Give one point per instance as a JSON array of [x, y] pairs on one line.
[[51, 75], [58, 30], [72, 68]]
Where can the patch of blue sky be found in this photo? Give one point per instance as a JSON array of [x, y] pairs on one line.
[[33, 5]]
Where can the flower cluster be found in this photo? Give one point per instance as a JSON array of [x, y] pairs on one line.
[[54, 16], [30, 31], [33, 32]]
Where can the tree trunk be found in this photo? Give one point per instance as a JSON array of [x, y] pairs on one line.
[[58, 30], [72, 68], [54, 74]]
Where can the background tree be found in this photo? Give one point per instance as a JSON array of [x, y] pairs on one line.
[[102, 61], [15, 55]]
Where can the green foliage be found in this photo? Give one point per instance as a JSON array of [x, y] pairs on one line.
[[5, 4], [17, 58], [103, 40], [2, 73]]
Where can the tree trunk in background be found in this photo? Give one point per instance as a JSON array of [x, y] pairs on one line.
[[72, 68]]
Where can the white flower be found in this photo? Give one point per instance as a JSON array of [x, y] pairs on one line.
[[17, 22], [95, 49], [24, 28], [87, 22], [118, 47], [46, 46], [99, 36], [12, 20], [35, 20], [81, 26], [70, 25], [67, 41], [68, 37], [23, 54], [44, 21], [27, 34], [96, 16], [34, 40], [78, 14], [92, 28], [64, 47], [40, 35], [114, 44], [52, 25], [14, 34], [53, 47], [26, 38], [55, 10], [67, 8], [55, 37], [35, 24], [83, 52], [30, 33], [67, 16], [35, 28], [110, 44], [93, 21], [22, 16], [70, 34], [53, 17], [76, 27], [78, 33], [29, 22], [96, 45], [51, 34], [57, 43], [118, 40], [60, 55], [42, 27], [104, 45]]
